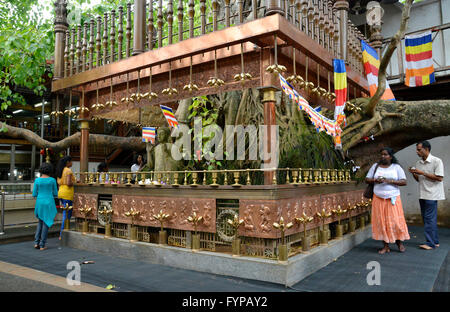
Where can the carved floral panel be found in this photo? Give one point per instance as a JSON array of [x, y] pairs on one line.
[[179, 210], [82, 201]]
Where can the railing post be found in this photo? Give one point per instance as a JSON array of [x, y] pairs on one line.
[[139, 26], [60, 33], [2, 221], [342, 7]]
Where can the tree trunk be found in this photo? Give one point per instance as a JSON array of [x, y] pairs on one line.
[[396, 124]]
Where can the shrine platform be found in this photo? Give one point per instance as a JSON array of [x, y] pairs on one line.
[[286, 273]]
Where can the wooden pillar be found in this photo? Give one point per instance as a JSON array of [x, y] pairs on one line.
[[84, 148], [342, 7], [269, 83], [269, 102], [60, 37], [139, 26]]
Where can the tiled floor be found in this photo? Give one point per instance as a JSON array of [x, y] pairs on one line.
[[415, 270]]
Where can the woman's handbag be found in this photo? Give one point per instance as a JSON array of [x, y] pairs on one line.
[[368, 193]]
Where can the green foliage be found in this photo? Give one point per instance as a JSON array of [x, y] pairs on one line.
[[26, 42]]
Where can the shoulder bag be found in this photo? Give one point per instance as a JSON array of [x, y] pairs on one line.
[[368, 193]]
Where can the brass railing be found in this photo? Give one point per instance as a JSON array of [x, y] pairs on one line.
[[107, 39], [216, 178]]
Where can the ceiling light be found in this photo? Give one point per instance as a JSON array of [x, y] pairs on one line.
[[18, 111]]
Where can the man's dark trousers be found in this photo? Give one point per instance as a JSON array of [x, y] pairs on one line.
[[428, 208]]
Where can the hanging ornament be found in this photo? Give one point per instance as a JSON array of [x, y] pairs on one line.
[[215, 81], [295, 79], [111, 103], [276, 68], [126, 99], [170, 91], [242, 76], [150, 95], [97, 105], [308, 84], [190, 87]]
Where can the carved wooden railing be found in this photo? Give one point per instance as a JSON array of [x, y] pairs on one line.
[[110, 38]]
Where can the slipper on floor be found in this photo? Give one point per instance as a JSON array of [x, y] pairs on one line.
[[36, 246], [426, 247], [43, 248]]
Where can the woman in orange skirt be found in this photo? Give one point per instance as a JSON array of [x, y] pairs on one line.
[[388, 220]]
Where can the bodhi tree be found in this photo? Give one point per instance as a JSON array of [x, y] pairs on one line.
[[392, 123]]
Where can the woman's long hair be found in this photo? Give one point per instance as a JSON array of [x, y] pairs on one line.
[[391, 153], [61, 165]]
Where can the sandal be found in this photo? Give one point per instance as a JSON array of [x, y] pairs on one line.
[[384, 250], [400, 246], [43, 248], [36, 246]]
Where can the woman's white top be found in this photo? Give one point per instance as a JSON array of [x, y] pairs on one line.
[[393, 172]]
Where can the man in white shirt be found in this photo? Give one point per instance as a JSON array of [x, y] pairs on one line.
[[429, 172], [138, 164]]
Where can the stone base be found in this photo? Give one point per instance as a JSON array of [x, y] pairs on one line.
[[286, 273]]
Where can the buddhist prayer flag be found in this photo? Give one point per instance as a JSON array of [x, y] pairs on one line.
[[170, 117], [419, 60], [340, 89], [331, 127], [371, 66], [148, 134]]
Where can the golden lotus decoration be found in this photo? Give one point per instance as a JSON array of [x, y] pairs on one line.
[[242, 77], [323, 215], [69, 112], [105, 211], [132, 213], [150, 95], [331, 96], [169, 91], [161, 217], [215, 82], [57, 113], [282, 227], [339, 212], [235, 223], [276, 69], [85, 210], [125, 100], [195, 220], [111, 104], [296, 80], [191, 87], [97, 106], [304, 219]]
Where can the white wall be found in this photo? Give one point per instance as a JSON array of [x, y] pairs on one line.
[[425, 14], [409, 193]]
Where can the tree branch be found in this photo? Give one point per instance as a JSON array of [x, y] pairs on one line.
[[126, 143]]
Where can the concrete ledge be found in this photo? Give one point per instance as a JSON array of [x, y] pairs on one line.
[[287, 273]]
